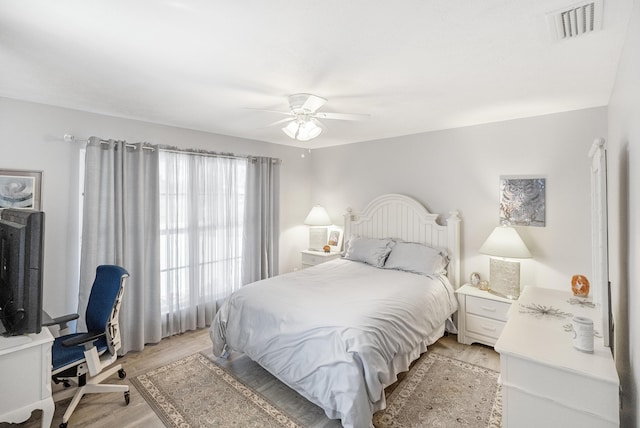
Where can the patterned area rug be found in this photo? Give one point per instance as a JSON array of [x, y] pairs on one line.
[[442, 392], [437, 392], [195, 392]]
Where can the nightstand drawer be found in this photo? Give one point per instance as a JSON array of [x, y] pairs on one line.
[[310, 259], [484, 326], [487, 308]]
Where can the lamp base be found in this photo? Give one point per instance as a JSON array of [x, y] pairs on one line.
[[317, 238], [505, 278]]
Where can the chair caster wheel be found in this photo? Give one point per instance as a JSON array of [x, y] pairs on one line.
[[126, 398], [63, 425], [122, 374], [66, 384]]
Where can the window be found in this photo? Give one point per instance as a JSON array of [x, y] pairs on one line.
[[202, 208]]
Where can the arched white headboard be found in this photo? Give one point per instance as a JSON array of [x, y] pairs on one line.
[[399, 216]]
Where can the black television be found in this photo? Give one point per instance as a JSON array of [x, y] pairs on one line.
[[21, 258]]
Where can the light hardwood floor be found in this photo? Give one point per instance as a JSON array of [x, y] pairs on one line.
[[109, 410]]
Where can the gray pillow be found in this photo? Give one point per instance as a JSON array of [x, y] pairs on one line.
[[368, 250], [417, 258]]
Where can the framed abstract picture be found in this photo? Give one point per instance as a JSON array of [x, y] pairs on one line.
[[20, 189], [522, 201]]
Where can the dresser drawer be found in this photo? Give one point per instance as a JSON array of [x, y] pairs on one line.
[[487, 308], [484, 326]]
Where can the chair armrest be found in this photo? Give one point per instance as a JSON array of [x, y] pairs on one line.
[[61, 321], [83, 338]]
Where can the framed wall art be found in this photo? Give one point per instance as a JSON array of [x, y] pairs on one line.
[[522, 201], [20, 189]]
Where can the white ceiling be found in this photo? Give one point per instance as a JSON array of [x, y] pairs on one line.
[[412, 65]]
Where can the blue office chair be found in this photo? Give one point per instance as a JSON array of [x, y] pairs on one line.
[[76, 355]]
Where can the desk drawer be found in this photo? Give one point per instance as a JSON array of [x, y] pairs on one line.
[[484, 326], [487, 308]]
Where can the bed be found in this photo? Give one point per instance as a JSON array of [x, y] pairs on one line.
[[340, 332]]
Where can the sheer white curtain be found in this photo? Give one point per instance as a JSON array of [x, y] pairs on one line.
[[202, 209], [120, 226]]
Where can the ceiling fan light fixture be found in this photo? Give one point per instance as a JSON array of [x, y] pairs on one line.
[[291, 129], [302, 129], [308, 130]]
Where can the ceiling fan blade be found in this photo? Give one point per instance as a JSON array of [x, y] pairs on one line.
[[342, 116], [287, 113], [285, 120], [313, 103]]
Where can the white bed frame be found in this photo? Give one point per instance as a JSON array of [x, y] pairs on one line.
[[402, 217]]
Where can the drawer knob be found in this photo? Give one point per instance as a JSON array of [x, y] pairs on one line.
[[488, 309], [489, 328]]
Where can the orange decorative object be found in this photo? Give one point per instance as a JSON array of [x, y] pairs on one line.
[[326, 249], [580, 285]]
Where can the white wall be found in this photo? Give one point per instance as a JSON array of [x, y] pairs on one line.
[[624, 213], [459, 169], [31, 137]]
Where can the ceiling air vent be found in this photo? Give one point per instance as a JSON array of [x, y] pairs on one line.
[[576, 20]]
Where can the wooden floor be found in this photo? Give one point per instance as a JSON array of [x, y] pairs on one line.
[[109, 410]]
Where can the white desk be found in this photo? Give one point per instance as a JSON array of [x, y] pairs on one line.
[[25, 373], [546, 382]]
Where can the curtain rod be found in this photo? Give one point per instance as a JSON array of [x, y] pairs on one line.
[[72, 139]]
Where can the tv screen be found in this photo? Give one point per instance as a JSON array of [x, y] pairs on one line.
[[21, 257]]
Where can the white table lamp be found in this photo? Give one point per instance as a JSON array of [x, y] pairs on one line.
[[318, 219], [504, 275]]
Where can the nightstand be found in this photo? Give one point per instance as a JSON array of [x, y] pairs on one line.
[[481, 315], [312, 258]]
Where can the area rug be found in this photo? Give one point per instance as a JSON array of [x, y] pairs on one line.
[[195, 392], [437, 392], [442, 392]]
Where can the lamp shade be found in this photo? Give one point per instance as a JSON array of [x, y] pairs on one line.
[[505, 241], [317, 217]]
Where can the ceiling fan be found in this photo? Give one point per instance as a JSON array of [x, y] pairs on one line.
[[303, 116]]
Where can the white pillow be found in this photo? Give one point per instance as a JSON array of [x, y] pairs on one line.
[[417, 258], [368, 250]]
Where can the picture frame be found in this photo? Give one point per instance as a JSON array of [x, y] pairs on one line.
[[522, 201], [334, 239], [20, 189]]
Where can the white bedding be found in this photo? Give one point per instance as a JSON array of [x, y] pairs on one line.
[[338, 333]]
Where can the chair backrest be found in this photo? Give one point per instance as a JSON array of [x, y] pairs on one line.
[[104, 302]]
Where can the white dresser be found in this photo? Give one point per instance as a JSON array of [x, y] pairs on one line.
[[25, 371], [481, 315], [546, 382]]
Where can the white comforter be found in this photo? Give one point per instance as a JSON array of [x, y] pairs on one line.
[[338, 333]]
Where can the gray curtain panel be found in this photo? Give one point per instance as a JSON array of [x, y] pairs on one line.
[[262, 220], [120, 226]]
